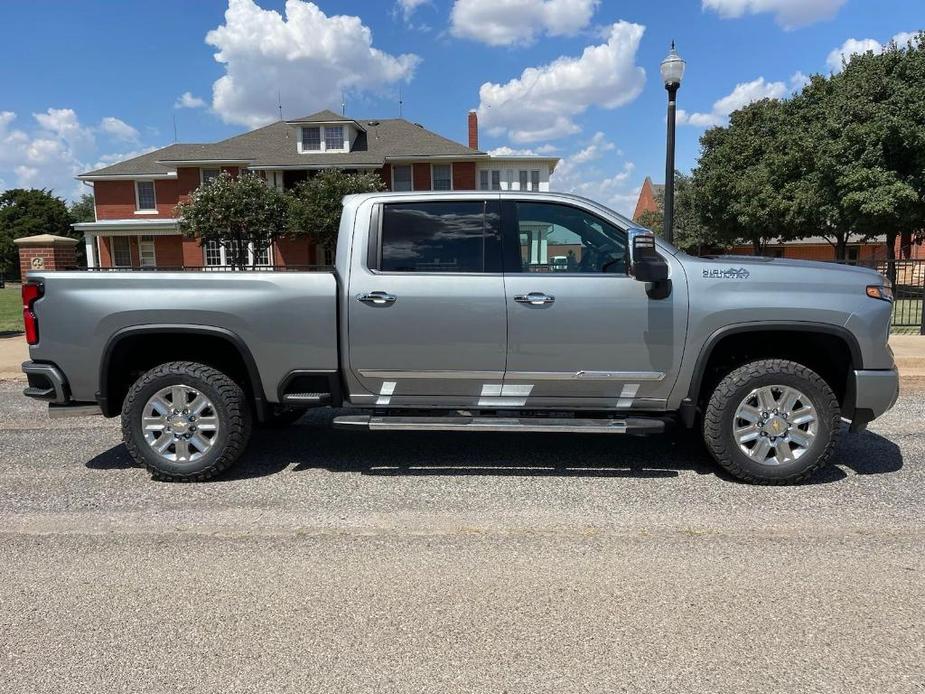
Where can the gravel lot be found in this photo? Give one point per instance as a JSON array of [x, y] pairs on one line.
[[346, 561]]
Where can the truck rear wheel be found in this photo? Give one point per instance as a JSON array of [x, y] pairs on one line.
[[185, 421], [771, 422]]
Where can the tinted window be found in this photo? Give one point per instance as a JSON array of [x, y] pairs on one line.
[[560, 238], [438, 237]]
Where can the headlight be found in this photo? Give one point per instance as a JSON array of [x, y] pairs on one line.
[[883, 291]]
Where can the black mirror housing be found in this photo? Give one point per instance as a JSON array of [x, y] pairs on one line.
[[648, 265]]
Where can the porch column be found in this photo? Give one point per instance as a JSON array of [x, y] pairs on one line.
[[90, 246]]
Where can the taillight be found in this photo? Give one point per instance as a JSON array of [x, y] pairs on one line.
[[30, 293]]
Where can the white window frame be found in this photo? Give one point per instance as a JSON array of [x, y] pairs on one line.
[[323, 145], [142, 242], [223, 255], [411, 177], [128, 248], [487, 182], [147, 210], [535, 185], [433, 178]]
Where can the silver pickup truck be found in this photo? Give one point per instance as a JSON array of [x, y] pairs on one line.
[[474, 311]]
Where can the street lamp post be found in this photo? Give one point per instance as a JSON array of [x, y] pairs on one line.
[[672, 68]]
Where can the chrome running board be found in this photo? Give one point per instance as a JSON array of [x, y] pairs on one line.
[[629, 425]]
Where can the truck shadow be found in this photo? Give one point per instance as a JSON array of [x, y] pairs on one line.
[[312, 444]]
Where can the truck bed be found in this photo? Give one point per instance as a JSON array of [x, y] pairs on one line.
[[288, 320]]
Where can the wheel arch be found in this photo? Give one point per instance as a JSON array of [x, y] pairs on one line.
[[233, 354], [767, 337]]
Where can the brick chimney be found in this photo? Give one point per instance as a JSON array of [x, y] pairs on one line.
[[473, 130]]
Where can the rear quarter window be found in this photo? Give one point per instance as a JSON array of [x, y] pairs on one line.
[[439, 236]]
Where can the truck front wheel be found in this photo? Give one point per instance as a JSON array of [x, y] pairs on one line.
[[185, 421], [771, 422]]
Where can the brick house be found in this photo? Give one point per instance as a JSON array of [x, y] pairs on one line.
[[135, 199], [809, 248]]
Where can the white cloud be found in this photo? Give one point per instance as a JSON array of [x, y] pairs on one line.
[[407, 7], [187, 100], [853, 47], [542, 103], [790, 14], [54, 150], [62, 124], [307, 57], [597, 175], [119, 129], [743, 94], [507, 22]]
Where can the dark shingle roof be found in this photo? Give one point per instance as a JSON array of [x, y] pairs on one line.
[[325, 116], [275, 145]]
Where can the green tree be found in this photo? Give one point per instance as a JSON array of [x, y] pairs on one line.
[[28, 212], [84, 210], [315, 203], [738, 186], [690, 234], [880, 107], [235, 212]]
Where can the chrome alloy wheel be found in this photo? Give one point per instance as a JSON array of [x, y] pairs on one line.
[[775, 425], [180, 424]]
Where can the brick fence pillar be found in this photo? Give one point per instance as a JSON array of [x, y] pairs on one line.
[[46, 252]]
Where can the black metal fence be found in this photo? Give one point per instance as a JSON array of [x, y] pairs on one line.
[[908, 277]]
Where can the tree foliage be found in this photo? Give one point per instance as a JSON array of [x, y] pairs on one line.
[[29, 212], [315, 204], [84, 210], [843, 158], [235, 211], [690, 234]]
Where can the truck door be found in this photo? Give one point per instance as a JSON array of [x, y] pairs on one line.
[[426, 302], [580, 329]]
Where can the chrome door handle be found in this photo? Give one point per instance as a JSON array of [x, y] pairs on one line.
[[377, 298], [535, 299]]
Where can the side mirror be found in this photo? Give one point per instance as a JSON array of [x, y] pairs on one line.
[[648, 265]]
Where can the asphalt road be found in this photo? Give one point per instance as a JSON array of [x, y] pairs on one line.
[[346, 561]]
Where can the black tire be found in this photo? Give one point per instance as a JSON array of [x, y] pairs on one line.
[[282, 416], [720, 418], [231, 408]]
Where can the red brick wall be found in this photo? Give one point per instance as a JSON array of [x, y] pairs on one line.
[[168, 250], [105, 252], [114, 199], [55, 257], [420, 175], [464, 175], [192, 253], [292, 251]]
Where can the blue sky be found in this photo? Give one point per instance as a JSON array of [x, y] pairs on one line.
[[84, 83]]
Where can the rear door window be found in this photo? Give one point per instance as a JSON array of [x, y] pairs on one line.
[[440, 237]]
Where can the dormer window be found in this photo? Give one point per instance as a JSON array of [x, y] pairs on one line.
[[334, 137], [323, 138], [311, 139]]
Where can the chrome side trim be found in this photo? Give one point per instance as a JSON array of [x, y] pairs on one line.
[[585, 375], [448, 374]]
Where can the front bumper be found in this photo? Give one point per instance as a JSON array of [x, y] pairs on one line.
[[874, 392]]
